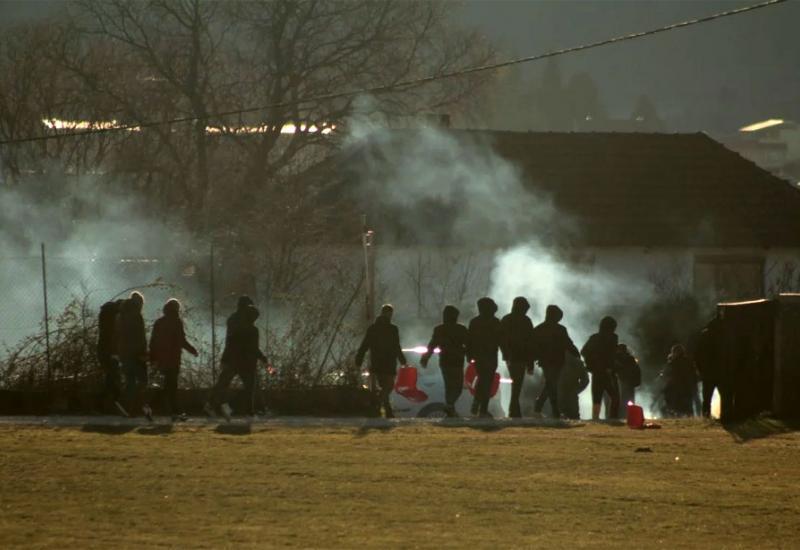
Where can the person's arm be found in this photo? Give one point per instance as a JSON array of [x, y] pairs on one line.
[[431, 346], [569, 345], [398, 348], [154, 343], [365, 345], [253, 341], [184, 342], [470, 342], [505, 338]]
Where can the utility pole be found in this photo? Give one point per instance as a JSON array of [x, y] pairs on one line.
[[367, 240], [46, 317]]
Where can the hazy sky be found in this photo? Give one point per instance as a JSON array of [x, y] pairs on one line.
[[755, 56], [751, 60]]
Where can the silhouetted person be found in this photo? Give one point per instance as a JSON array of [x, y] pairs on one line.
[[167, 342], [680, 382], [132, 349], [243, 354], [600, 352], [451, 339], [382, 341], [552, 343], [516, 345], [573, 380], [708, 360], [629, 376], [483, 343], [107, 352]]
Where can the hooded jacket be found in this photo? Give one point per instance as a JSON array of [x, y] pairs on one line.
[[552, 341], [168, 340], [516, 333], [483, 338], [601, 348], [234, 323], [106, 330], [451, 339], [243, 342], [131, 338], [382, 340]]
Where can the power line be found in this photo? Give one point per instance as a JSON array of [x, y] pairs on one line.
[[384, 88]]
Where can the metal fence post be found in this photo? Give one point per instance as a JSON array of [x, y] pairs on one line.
[[46, 316], [213, 320]]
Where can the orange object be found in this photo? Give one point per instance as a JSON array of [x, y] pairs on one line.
[[635, 417]]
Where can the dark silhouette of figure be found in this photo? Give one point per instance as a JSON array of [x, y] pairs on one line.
[[516, 345], [167, 342], [599, 352], [382, 340], [240, 357], [552, 343], [107, 352], [573, 380], [680, 383], [629, 376], [131, 340], [483, 343], [708, 360], [451, 339]]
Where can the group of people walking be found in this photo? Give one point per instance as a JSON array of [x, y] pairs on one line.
[[521, 345], [122, 346]]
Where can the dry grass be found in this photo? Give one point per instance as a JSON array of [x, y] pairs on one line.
[[410, 486]]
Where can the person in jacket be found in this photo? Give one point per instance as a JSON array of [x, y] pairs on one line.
[[600, 352], [629, 376], [167, 342], [382, 341], [483, 343], [243, 354], [680, 383], [709, 364], [451, 339], [516, 345], [107, 352], [552, 343], [131, 340], [573, 380]]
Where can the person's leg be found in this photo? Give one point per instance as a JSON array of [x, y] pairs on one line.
[[551, 386], [517, 372], [129, 369], [484, 388], [385, 385], [597, 394], [708, 394], [142, 384], [248, 375], [612, 388], [227, 372], [170, 391], [453, 384]]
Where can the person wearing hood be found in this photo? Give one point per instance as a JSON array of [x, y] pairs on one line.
[[107, 352], [483, 343], [517, 347], [243, 354], [680, 382], [629, 376], [600, 352], [451, 339], [131, 341], [573, 380], [552, 343], [382, 341], [167, 342], [709, 365]]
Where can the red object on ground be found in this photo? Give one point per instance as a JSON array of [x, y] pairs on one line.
[[471, 380], [635, 417], [406, 385]]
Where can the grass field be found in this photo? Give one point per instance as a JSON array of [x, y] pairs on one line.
[[410, 485]]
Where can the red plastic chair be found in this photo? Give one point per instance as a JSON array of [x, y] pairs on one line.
[[635, 417], [471, 380], [406, 385]]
